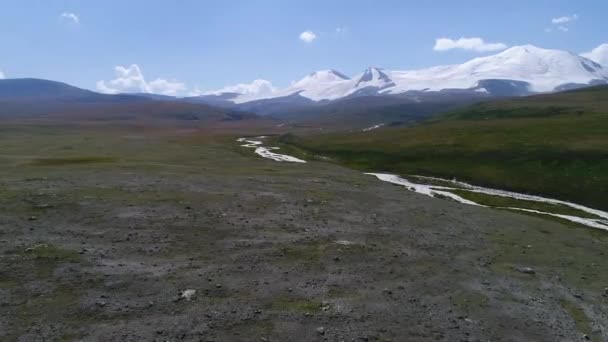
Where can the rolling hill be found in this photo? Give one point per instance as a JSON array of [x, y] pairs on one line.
[[554, 145]]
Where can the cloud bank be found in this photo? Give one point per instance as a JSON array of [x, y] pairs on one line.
[[131, 80], [598, 55], [472, 44], [257, 87]]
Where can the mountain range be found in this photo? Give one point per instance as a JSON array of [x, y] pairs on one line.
[[330, 98]]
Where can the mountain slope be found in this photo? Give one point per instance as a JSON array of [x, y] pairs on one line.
[[33, 89]]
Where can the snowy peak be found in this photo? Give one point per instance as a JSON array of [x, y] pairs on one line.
[[373, 76], [370, 81], [320, 77]]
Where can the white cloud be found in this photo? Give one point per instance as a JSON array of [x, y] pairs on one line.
[[564, 19], [474, 44], [563, 22], [308, 36], [257, 88], [598, 55], [1, 75], [131, 80], [69, 16]]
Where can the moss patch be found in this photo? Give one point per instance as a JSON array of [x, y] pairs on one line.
[[70, 161], [294, 304], [582, 322]]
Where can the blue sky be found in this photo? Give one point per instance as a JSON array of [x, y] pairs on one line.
[[210, 44]]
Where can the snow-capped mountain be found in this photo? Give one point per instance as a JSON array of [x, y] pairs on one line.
[[543, 70], [516, 71], [320, 85]]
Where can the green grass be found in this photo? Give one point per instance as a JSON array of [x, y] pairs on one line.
[[293, 304], [505, 202], [525, 145]]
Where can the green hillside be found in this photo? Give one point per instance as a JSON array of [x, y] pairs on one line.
[[554, 145]]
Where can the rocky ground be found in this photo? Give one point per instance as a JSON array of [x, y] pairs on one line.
[[128, 236]]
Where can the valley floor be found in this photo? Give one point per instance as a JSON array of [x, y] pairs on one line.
[[104, 232]]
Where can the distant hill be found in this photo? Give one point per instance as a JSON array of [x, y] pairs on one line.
[[32, 88], [359, 112], [30, 98]]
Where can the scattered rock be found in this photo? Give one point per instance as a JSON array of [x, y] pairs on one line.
[[320, 330]]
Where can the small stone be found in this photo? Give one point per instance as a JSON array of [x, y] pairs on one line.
[[526, 270], [320, 330], [32, 218], [188, 294]]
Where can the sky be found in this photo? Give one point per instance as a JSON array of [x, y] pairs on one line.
[[188, 47]]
